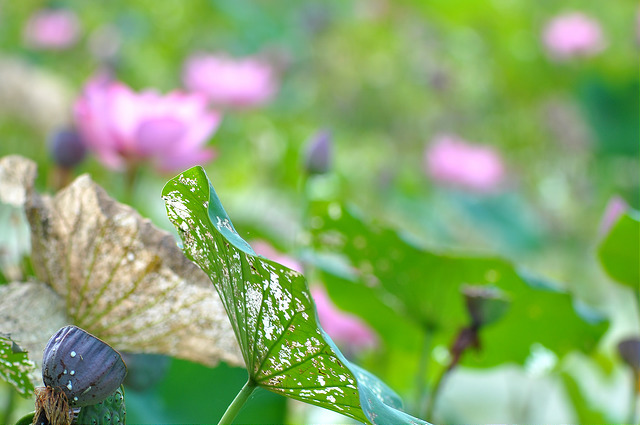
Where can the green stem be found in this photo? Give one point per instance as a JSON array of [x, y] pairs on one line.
[[131, 174], [421, 378], [238, 402], [434, 393], [467, 337], [635, 393], [8, 408]]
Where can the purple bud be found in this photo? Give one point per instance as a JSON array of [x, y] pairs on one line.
[[318, 153], [629, 350], [67, 148]]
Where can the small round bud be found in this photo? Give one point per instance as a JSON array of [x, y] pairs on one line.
[[318, 154], [66, 148], [629, 350]]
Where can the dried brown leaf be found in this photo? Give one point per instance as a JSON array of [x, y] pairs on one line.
[[30, 312], [124, 280], [17, 175]]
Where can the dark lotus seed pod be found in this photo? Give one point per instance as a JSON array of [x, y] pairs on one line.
[[110, 411], [87, 369], [485, 304]]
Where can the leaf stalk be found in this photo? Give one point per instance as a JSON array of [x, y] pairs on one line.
[[635, 394], [238, 402]]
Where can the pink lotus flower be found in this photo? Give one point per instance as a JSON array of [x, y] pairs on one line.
[[228, 82], [52, 29], [451, 160], [345, 329], [571, 35], [614, 209], [124, 127]]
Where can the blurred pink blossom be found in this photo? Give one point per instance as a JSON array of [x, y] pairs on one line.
[[124, 127], [573, 34], [345, 329], [451, 160], [228, 82], [54, 29], [612, 212], [267, 251]]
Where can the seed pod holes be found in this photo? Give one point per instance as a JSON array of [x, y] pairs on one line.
[[110, 411]]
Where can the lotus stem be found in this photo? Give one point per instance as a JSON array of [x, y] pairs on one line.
[[421, 376], [238, 402], [635, 393]]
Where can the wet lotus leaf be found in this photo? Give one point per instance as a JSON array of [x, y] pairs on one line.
[[272, 313], [124, 280], [15, 366]]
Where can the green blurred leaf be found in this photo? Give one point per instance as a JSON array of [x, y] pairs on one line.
[[272, 312], [426, 288], [612, 111], [15, 366], [619, 252]]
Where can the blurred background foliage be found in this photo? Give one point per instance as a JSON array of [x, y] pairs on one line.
[[384, 78]]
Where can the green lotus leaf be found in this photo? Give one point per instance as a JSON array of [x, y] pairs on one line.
[[272, 313], [384, 267], [15, 366], [619, 251]]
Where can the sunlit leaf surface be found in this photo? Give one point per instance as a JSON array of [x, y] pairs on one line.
[[15, 366], [272, 313]]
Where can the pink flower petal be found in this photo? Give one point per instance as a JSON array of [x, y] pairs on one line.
[[227, 82], [614, 209], [52, 29], [123, 126], [123, 115], [450, 160], [156, 135], [91, 123], [344, 328], [572, 34], [169, 164]]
